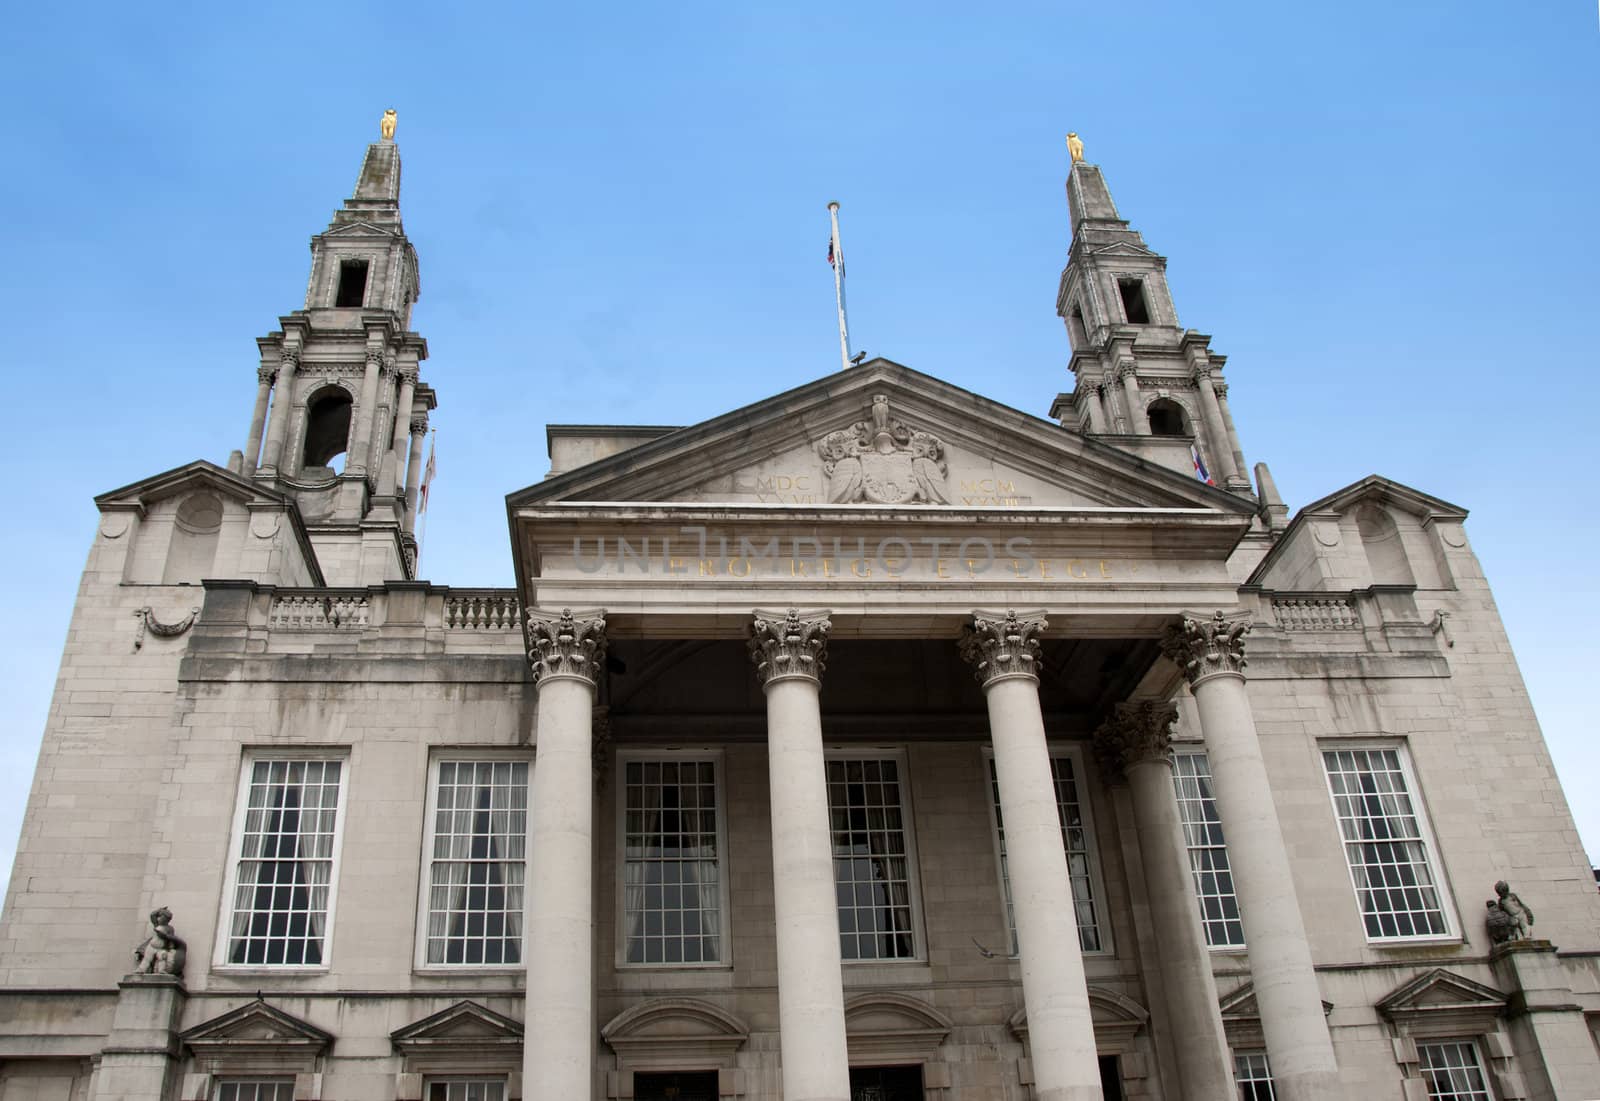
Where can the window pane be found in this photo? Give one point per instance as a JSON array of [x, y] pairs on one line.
[[1253, 1076], [255, 1089], [1208, 856], [285, 867], [1452, 1071], [1383, 844], [672, 870], [477, 866], [1076, 840], [871, 870], [466, 1089]]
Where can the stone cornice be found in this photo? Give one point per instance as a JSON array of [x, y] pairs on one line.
[[789, 645], [566, 645], [1204, 647], [999, 645]]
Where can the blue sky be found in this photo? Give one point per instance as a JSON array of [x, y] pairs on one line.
[[1384, 214]]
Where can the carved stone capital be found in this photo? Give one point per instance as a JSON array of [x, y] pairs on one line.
[[790, 644], [999, 645], [419, 426], [1127, 369], [288, 358], [266, 376], [1204, 647], [1221, 389], [1202, 376], [408, 374], [1138, 731], [375, 358], [567, 644]]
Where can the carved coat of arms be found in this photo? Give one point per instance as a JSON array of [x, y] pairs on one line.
[[884, 461]]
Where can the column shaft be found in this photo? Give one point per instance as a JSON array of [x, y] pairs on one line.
[[1098, 421], [366, 415], [1290, 1001], [1138, 423], [282, 410], [1233, 433], [414, 473], [1216, 434], [258, 421], [402, 416]]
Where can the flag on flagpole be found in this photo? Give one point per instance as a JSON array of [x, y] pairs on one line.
[[428, 472], [1200, 470]]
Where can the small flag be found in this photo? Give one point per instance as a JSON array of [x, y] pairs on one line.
[[830, 252], [1200, 470], [431, 469]]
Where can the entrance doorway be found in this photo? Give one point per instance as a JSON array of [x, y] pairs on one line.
[[886, 1083], [694, 1085]]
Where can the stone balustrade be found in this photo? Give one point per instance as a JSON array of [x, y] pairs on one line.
[[326, 610], [482, 610], [1316, 613]]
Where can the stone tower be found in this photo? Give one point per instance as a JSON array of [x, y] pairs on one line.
[[1141, 377], [348, 410]]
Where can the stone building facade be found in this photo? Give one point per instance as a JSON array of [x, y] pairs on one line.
[[873, 741]]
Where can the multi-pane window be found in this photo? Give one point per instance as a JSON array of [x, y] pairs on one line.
[[1253, 1076], [1453, 1071], [466, 1089], [255, 1089], [1075, 836], [285, 846], [871, 858], [672, 872], [477, 863], [1385, 844], [1208, 855]]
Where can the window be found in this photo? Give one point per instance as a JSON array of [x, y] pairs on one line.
[[672, 887], [1253, 1076], [466, 1089], [255, 1089], [285, 852], [1385, 844], [1133, 304], [477, 863], [327, 426], [1453, 1071], [1079, 841], [871, 858], [1208, 855], [352, 283], [1167, 418]]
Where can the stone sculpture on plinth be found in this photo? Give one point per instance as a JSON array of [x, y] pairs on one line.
[[163, 951]]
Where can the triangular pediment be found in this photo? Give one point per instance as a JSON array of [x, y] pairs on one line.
[[360, 229], [881, 434], [258, 1026], [186, 479], [1122, 248], [1240, 1005], [1441, 992], [465, 1025]]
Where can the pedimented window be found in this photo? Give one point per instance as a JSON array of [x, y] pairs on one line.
[[884, 1028], [256, 1042], [465, 1045], [666, 1035]]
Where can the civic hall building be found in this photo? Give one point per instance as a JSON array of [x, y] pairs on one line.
[[874, 741]]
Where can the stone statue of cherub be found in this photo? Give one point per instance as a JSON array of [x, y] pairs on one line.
[[163, 951], [1508, 918]]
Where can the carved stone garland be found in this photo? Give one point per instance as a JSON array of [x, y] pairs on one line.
[[1206, 647], [884, 461], [149, 622], [1138, 731], [789, 644], [567, 645], [999, 646]]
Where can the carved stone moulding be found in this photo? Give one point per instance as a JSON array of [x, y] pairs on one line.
[[566, 644], [1003, 644], [789, 644], [1204, 646]]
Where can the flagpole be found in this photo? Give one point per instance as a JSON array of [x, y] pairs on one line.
[[422, 535], [837, 251]]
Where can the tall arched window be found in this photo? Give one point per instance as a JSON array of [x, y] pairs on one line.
[[1167, 418], [327, 427]]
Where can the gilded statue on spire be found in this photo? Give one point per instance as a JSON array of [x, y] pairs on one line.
[[386, 127], [1075, 146]]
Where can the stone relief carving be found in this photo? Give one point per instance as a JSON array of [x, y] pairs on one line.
[[885, 461], [163, 951], [1204, 647], [149, 622], [1508, 917], [566, 645], [789, 644], [999, 646]]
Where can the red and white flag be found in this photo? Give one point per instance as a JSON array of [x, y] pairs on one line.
[[428, 472]]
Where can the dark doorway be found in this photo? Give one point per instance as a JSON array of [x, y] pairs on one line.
[[886, 1083], [692, 1085], [1110, 1078]]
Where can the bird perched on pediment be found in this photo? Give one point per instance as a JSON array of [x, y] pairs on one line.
[[855, 360]]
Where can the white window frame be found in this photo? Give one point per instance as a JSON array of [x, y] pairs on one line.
[[1447, 907], [897, 753], [448, 1080], [254, 1080], [1074, 753], [424, 873], [1266, 1065], [724, 865], [1198, 749], [230, 884], [1472, 1045]]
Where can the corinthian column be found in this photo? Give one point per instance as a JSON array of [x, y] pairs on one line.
[[1210, 651], [366, 413], [568, 652], [282, 409], [258, 419], [1137, 743], [1138, 421], [1216, 432], [1004, 651], [789, 650]]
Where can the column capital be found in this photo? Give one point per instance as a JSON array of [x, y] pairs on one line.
[[1001, 645], [1204, 647], [1202, 376], [1137, 731], [419, 426], [1220, 387], [787, 645], [288, 357], [566, 645], [1128, 368], [408, 373], [266, 376], [375, 358]]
